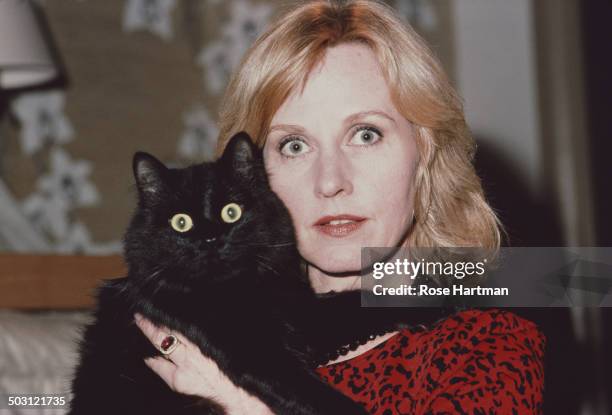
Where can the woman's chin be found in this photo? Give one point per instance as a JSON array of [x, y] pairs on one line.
[[337, 261]]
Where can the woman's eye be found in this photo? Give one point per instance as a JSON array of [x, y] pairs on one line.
[[366, 136], [293, 147], [181, 222], [231, 213]]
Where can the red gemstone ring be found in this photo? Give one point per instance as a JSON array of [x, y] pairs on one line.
[[168, 344]]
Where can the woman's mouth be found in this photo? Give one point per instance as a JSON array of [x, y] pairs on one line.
[[339, 226]]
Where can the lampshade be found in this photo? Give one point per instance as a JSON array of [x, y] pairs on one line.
[[24, 56]]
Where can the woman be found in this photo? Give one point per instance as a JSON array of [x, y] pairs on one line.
[[365, 141]]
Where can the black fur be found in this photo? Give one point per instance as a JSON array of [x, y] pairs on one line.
[[235, 290]]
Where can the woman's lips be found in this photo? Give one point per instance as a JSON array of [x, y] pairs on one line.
[[339, 226]]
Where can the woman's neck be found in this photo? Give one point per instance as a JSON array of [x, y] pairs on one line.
[[323, 283]]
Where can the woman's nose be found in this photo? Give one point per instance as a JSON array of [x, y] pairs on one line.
[[333, 175]]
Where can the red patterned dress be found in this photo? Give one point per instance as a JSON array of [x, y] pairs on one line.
[[474, 362]]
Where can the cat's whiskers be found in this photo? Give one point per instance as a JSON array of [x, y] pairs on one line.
[[122, 289], [262, 261], [151, 277], [262, 245], [263, 265], [160, 285], [127, 377]]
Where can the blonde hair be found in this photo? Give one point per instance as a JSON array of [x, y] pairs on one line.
[[450, 209]]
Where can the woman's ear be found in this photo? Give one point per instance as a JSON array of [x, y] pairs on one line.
[[149, 174], [240, 153]]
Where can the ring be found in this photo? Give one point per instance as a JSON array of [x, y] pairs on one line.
[[169, 344]]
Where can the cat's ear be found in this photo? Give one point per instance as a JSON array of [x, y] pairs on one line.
[[240, 153], [149, 173]]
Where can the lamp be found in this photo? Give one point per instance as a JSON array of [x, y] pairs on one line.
[[25, 59]]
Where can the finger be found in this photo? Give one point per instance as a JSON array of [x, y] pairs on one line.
[[164, 368], [178, 356], [157, 334], [151, 331]]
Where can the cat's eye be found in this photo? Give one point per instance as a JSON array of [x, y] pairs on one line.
[[181, 222], [231, 213]]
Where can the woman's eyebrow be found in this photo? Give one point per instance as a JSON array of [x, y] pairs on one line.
[[356, 116], [298, 129], [290, 128]]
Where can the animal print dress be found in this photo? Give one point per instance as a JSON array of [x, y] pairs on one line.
[[473, 362]]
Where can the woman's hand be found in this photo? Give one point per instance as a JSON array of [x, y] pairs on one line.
[[188, 371]]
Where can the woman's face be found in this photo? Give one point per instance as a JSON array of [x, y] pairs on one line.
[[342, 158]]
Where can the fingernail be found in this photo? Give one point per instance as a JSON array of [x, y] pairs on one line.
[[138, 318]]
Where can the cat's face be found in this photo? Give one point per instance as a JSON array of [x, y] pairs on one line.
[[206, 223]]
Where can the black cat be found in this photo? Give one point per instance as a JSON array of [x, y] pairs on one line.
[[211, 254]]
